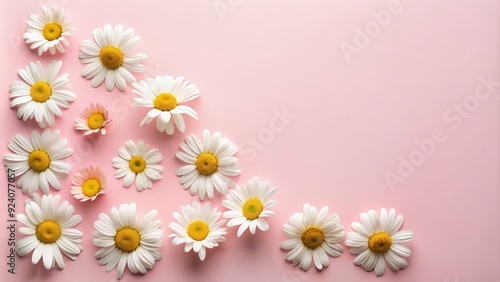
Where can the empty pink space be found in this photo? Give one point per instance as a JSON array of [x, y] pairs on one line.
[[354, 105]]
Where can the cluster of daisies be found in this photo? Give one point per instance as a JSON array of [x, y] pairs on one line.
[[125, 241], [42, 92]]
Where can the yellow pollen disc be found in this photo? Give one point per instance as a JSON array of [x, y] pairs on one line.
[[52, 31], [313, 237], [91, 187], [165, 102], [137, 164], [127, 239], [39, 160], [198, 230], [40, 91], [48, 231], [206, 163], [111, 57], [95, 121], [380, 242], [252, 208]]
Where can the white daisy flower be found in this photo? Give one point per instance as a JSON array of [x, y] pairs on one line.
[[38, 161], [138, 160], [313, 236], [126, 241], [209, 164], [107, 58], [49, 230], [165, 94], [41, 94], [49, 31], [88, 183], [197, 227], [249, 207], [93, 119], [377, 241]]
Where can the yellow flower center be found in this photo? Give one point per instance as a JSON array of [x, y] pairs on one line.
[[91, 187], [313, 237], [206, 163], [137, 164], [40, 91], [39, 160], [111, 57], [198, 230], [380, 242], [52, 31], [48, 231], [95, 121], [165, 102], [127, 239], [252, 208]]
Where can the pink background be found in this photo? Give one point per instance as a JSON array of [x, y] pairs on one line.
[[353, 117]]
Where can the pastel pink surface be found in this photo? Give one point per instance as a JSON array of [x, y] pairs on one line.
[[350, 119]]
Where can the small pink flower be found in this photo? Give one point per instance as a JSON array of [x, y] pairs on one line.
[[88, 183], [93, 119]]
